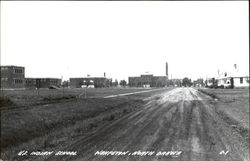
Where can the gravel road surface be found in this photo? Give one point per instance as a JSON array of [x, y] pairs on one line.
[[180, 124]]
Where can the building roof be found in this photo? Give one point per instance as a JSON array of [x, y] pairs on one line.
[[42, 78], [89, 78], [233, 71], [12, 66]]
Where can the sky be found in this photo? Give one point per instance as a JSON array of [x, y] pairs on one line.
[[73, 39]]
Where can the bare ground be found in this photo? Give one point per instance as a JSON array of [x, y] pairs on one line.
[[183, 120], [46, 124]]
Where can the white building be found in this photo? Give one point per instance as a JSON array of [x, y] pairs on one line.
[[241, 81], [232, 78]]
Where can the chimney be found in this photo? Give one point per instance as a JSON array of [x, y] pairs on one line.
[[167, 70]]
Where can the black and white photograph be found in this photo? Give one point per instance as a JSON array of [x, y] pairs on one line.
[[124, 81]]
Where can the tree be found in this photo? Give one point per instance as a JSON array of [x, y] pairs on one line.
[[201, 82], [115, 83], [65, 84], [186, 82], [123, 83], [110, 82], [170, 82]]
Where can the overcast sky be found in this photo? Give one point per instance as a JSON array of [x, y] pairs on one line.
[[73, 39]]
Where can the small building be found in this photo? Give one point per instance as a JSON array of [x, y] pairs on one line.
[[12, 77], [42, 82], [96, 82], [232, 78], [148, 80], [233, 82], [239, 82]]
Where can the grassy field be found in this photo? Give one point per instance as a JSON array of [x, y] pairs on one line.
[[233, 107], [43, 96], [52, 118], [91, 92]]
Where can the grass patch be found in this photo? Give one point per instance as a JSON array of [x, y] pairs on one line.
[[22, 125], [50, 98], [232, 107], [48, 125], [6, 102], [214, 96]]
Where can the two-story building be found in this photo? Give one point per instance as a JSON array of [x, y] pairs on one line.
[[12, 77]]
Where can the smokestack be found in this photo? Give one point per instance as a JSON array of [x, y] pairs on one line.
[[104, 75], [167, 70]]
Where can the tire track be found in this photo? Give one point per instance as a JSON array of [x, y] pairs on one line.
[[177, 120]]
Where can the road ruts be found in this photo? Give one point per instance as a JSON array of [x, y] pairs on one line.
[[179, 120]]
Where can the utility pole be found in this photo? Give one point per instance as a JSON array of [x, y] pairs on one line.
[[85, 90], [38, 86], [62, 84]]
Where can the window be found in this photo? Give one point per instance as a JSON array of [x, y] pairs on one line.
[[18, 81], [18, 71], [241, 80], [4, 68], [4, 79], [30, 81]]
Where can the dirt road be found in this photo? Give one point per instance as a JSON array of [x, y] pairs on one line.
[[180, 124]]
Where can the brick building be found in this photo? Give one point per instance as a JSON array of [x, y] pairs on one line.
[[148, 81], [97, 82], [12, 77], [42, 82]]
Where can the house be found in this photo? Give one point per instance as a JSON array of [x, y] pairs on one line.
[[232, 78]]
